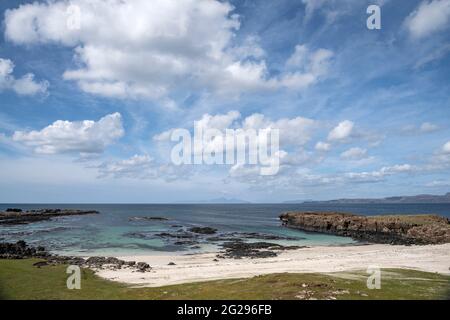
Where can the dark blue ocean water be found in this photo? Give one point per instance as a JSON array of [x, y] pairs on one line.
[[112, 233]]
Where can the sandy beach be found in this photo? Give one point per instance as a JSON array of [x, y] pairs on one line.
[[326, 259]]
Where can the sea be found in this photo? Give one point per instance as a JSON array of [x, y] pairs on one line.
[[118, 231]]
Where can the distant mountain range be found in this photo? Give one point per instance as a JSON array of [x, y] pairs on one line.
[[422, 198]]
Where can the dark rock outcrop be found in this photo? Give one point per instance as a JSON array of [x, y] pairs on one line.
[[186, 243], [143, 267], [177, 235], [392, 229], [17, 216], [20, 250], [262, 236], [203, 230], [148, 219], [239, 249]]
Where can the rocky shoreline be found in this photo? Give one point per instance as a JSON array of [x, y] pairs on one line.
[[392, 229], [13, 216], [21, 250]]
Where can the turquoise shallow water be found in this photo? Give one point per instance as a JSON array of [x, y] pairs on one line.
[[112, 233]]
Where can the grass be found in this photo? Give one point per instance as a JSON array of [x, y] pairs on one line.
[[19, 279]]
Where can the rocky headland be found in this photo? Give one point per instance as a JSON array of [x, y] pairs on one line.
[[17, 216], [390, 229]]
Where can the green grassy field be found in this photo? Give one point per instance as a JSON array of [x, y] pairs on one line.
[[19, 279]]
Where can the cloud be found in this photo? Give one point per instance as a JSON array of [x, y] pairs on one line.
[[293, 131], [166, 45], [446, 148], [163, 136], [322, 146], [306, 67], [438, 183], [434, 56], [288, 162], [220, 121], [83, 137], [354, 154], [331, 10], [428, 127], [311, 6], [26, 85], [142, 167], [291, 178], [134, 166], [248, 49], [342, 131], [424, 128], [379, 175], [428, 18], [207, 121], [440, 160]]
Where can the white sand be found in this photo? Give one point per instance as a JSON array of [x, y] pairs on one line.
[[201, 267]]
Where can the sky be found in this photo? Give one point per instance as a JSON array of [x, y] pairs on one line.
[[90, 92]]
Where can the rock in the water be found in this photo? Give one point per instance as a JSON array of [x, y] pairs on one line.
[[185, 243], [263, 236], [148, 219], [17, 216], [203, 230]]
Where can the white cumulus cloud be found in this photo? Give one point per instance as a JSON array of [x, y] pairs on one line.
[[83, 137], [148, 49], [342, 131], [25, 85], [293, 131]]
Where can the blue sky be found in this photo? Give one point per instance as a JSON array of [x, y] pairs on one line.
[[88, 89]]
